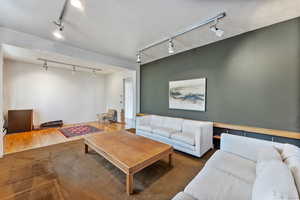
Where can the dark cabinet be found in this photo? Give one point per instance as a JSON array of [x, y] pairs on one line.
[[19, 121]]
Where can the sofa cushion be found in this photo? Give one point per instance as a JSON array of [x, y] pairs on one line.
[[183, 196], [145, 128], [274, 182], [166, 132], [182, 145], [173, 123], [293, 164], [190, 126], [238, 167], [290, 150], [187, 138], [214, 184], [157, 121], [244, 146], [144, 120], [265, 155]]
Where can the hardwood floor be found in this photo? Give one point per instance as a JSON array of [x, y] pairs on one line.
[[17, 142]]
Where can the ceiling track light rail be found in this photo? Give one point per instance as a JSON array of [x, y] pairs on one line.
[[59, 23], [174, 36], [74, 67], [58, 33]]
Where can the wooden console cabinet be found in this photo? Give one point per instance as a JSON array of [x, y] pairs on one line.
[[19, 121]]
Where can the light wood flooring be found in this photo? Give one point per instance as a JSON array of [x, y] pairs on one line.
[[17, 142]]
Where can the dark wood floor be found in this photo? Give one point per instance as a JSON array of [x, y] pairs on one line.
[[63, 171]]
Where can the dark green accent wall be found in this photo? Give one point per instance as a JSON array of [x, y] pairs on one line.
[[252, 79]]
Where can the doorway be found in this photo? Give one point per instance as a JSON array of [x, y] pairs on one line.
[[128, 98]]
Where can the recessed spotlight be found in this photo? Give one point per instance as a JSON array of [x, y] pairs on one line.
[[58, 34], [77, 4]]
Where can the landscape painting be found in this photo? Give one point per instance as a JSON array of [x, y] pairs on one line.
[[188, 94]]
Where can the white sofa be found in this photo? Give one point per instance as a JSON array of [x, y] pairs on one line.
[[246, 168], [189, 136]]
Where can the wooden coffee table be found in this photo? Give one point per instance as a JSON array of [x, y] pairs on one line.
[[129, 152]]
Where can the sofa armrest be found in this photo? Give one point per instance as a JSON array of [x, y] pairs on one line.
[[244, 146], [204, 137], [143, 120], [183, 196]]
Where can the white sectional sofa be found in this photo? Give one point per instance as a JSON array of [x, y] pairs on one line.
[[247, 169], [189, 136]]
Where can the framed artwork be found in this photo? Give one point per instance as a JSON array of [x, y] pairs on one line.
[[188, 94]]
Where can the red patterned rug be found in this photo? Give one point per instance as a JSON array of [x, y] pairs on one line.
[[78, 130]]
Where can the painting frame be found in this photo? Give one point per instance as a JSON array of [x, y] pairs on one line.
[[189, 94]]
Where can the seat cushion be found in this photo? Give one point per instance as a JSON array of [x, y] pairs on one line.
[[187, 138], [166, 132], [293, 164], [214, 184], [275, 182], [238, 167], [145, 128]]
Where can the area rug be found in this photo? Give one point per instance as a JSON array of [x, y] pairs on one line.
[[79, 130], [74, 175]]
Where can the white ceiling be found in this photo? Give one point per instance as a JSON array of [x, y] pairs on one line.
[[119, 28], [31, 56]]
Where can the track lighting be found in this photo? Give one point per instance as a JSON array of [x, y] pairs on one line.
[[58, 34], [74, 67], [73, 70], [193, 27], [59, 29], [94, 73], [171, 46], [138, 59], [45, 65], [216, 30], [77, 4]]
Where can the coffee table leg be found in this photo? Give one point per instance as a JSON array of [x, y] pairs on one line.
[[86, 148], [170, 160], [129, 184]]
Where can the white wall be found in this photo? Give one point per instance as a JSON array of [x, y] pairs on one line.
[[114, 90], [28, 41], [55, 94]]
